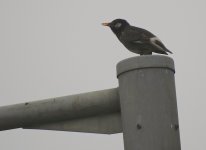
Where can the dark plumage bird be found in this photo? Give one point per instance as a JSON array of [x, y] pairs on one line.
[[136, 39]]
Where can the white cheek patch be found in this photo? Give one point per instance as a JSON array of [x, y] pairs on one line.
[[118, 25]]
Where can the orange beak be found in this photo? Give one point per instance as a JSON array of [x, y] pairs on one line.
[[105, 24]]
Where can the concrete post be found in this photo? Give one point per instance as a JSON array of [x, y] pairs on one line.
[[148, 103]]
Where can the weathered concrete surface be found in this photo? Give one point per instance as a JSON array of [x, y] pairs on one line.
[[39, 114], [148, 103]]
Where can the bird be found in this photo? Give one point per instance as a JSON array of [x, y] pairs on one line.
[[135, 39]]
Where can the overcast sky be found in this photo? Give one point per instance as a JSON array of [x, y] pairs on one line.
[[53, 48]]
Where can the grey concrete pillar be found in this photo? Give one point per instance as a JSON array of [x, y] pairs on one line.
[[148, 103]]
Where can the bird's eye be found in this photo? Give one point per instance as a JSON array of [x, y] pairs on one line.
[[118, 25]]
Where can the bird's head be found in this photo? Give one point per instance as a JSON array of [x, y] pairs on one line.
[[117, 26]]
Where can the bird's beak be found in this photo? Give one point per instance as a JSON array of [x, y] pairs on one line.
[[106, 24]]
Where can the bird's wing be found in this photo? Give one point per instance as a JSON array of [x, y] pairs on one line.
[[141, 36], [155, 41], [136, 34]]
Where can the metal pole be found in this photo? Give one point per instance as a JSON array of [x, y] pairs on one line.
[[148, 103], [59, 109]]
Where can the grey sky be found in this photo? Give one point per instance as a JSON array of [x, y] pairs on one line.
[[53, 48]]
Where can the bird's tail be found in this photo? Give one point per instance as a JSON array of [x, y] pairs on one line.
[[168, 51]]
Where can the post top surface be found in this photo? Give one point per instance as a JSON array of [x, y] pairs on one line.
[[146, 61]]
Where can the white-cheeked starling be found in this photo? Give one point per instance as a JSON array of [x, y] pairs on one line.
[[136, 39]]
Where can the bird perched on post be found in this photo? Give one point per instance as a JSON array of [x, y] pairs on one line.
[[136, 39]]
